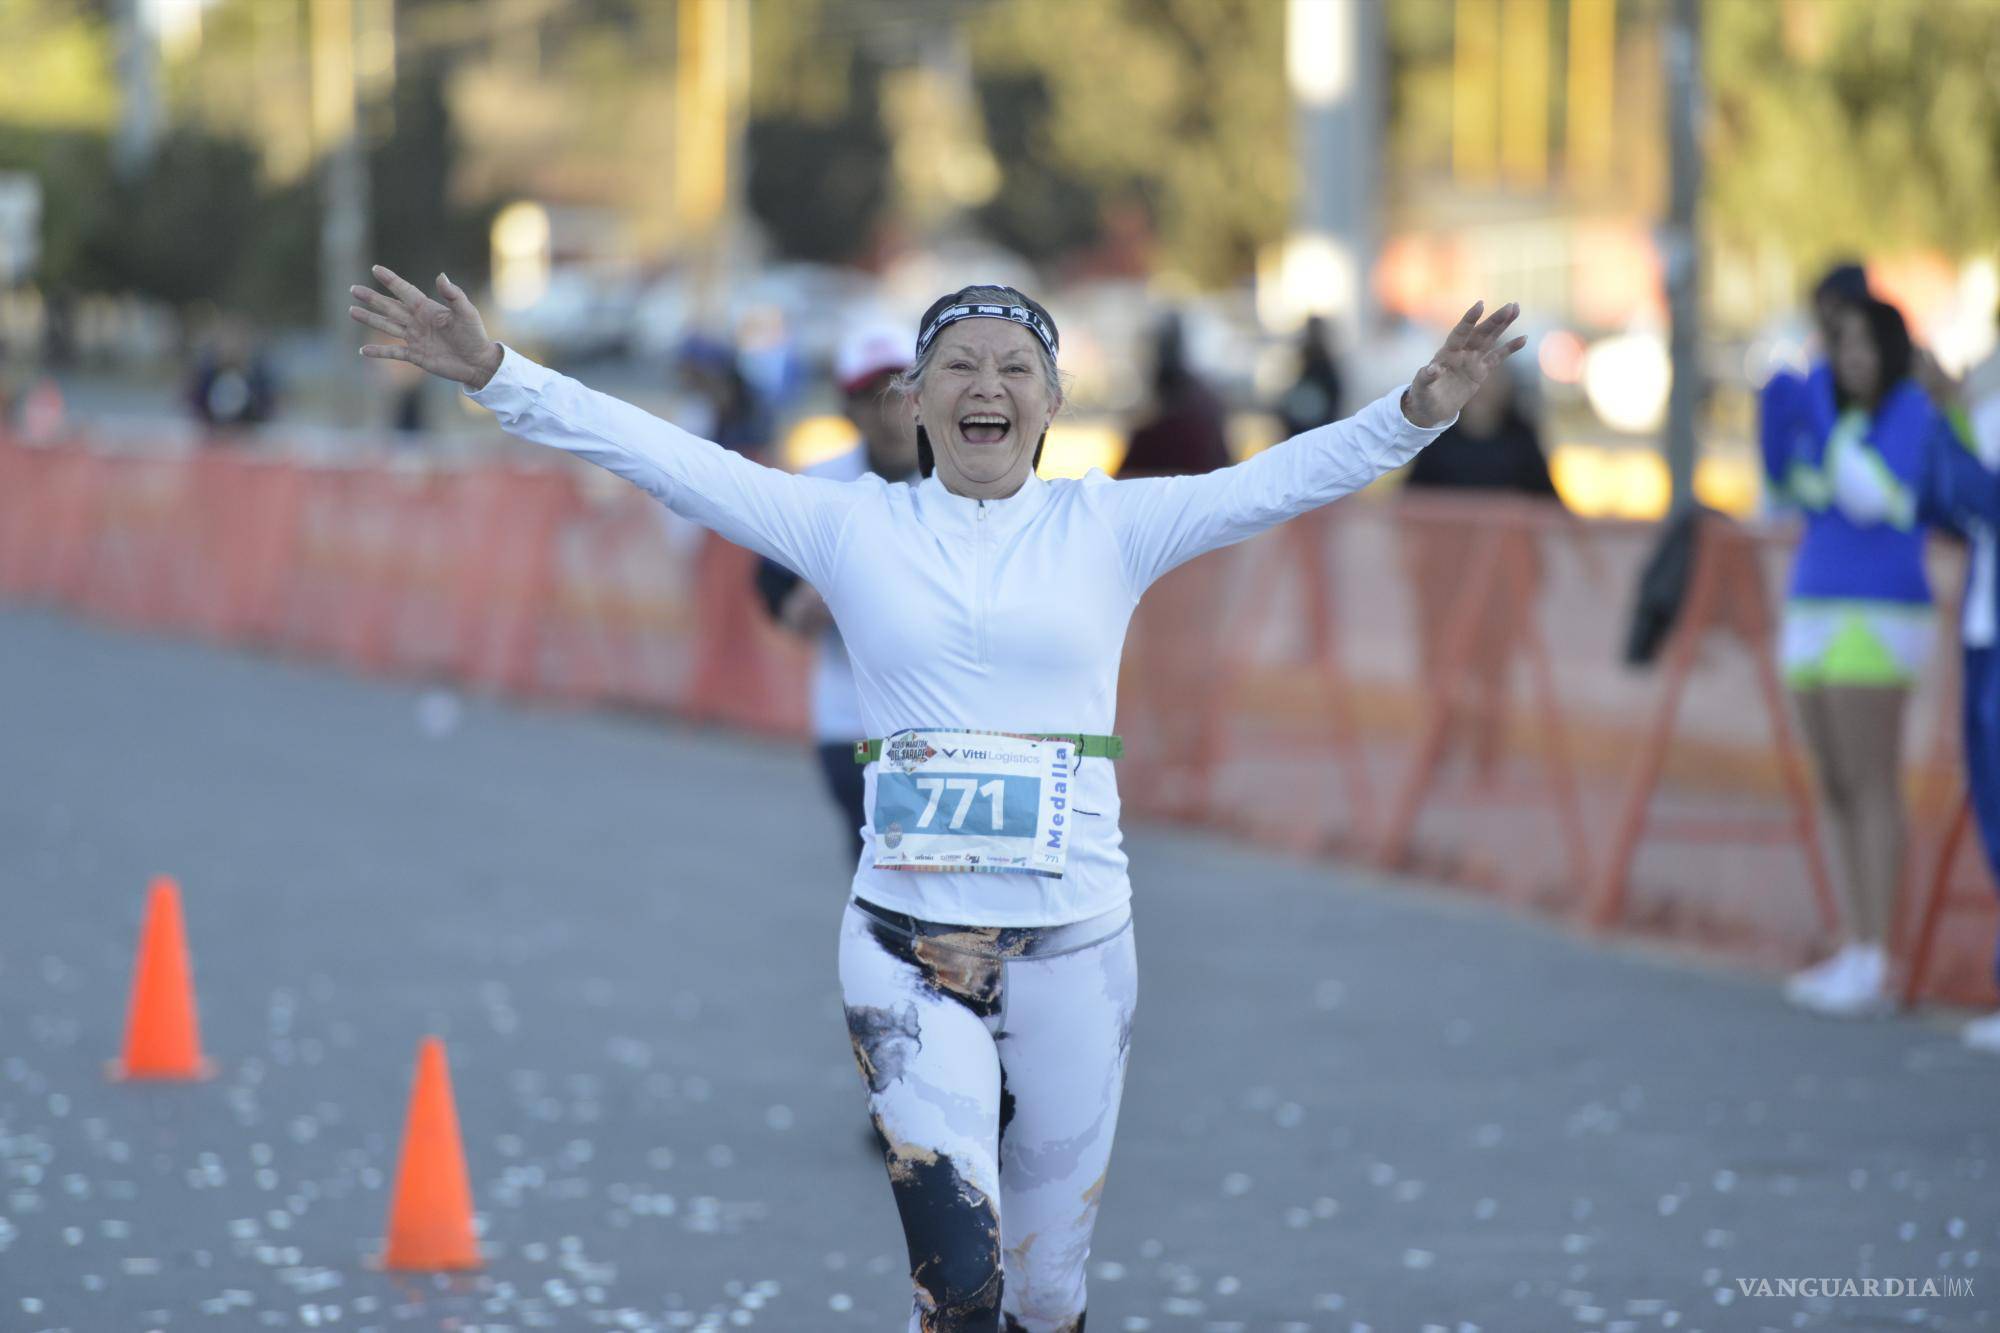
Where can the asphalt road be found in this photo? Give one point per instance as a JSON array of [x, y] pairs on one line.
[[1354, 1104]]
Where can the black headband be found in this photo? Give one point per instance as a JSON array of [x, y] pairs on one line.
[[1033, 320]]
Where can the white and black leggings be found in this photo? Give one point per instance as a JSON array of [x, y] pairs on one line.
[[994, 1058]]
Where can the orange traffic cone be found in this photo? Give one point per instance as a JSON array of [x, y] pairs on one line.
[[162, 1038], [430, 1217]]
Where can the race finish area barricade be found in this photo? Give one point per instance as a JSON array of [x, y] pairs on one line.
[[1725, 599], [1214, 643], [1474, 565], [1956, 882], [46, 496], [623, 616], [651, 611], [1432, 681], [1946, 872]]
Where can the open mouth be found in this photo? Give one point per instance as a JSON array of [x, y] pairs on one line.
[[983, 428]]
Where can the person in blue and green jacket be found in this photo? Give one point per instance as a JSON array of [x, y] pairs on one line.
[[1844, 445], [1959, 490]]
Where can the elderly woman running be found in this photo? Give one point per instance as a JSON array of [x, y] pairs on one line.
[[986, 954]]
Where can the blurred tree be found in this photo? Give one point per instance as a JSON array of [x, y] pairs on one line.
[[74, 169], [567, 104], [1852, 126], [818, 153], [417, 226], [58, 97], [1179, 103], [1420, 89], [177, 230], [221, 214], [199, 225], [58, 64], [816, 184], [1836, 127]]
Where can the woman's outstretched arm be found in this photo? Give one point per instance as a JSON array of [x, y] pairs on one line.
[[794, 520], [1161, 522]]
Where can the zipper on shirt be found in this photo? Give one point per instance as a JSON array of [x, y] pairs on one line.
[[979, 592]]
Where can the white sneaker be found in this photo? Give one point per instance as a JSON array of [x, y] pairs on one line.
[[1805, 987], [1983, 1034], [1858, 989]]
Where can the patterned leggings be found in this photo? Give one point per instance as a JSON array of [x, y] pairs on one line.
[[994, 1058]]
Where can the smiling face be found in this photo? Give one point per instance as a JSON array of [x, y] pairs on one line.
[[985, 398]]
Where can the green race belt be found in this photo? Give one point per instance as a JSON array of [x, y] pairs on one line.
[[1087, 746]]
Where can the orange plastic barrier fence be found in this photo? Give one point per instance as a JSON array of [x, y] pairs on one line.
[[1725, 597], [1433, 681], [1193, 658], [502, 578], [48, 494], [1965, 977], [1474, 565], [1463, 655]]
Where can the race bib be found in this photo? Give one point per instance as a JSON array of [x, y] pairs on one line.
[[973, 800]]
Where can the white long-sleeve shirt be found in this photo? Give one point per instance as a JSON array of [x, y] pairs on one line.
[[836, 705], [990, 615]]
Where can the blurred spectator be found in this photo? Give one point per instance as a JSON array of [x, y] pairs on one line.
[[1960, 490], [737, 417], [1315, 397], [1843, 285], [867, 359], [31, 400], [1845, 443], [1185, 432], [1494, 445], [409, 402], [768, 355], [233, 386]]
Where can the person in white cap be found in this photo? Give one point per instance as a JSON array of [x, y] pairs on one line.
[[865, 363]]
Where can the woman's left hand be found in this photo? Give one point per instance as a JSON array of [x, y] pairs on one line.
[[1452, 376]]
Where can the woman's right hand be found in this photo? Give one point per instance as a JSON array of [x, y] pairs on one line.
[[446, 338]]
